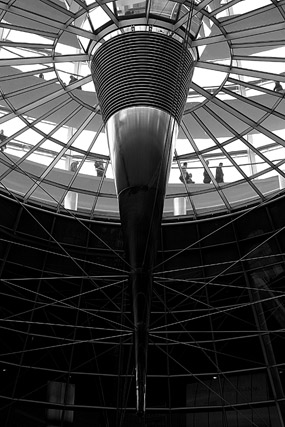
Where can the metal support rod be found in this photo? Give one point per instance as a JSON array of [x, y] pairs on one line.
[[269, 356]]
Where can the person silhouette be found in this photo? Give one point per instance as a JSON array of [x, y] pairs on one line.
[[74, 166], [184, 174], [278, 87], [99, 166], [190, 181], [2, 139], [219, 173], [207, 179], [74, 79]]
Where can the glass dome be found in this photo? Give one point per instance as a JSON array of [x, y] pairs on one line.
[[217, 322], [52, 121]]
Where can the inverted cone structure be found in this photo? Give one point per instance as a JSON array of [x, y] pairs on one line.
[[142, 80], [140, 140]]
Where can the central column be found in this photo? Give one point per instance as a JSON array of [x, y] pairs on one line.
[[142, 81]]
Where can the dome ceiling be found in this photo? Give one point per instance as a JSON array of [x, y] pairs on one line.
[[233, 113], [217, 319]]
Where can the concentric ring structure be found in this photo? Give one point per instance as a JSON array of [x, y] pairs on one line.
[[142, 80], [214, 331]]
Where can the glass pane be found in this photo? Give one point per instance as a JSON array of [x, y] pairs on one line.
[[98, 17], [130, 7], [165, 9]]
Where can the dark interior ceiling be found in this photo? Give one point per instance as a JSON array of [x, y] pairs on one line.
[[66, 317]]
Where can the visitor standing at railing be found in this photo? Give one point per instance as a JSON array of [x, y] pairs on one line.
[[219, 173], [278, 87], [184, 174], [74, 166], [99, 166], [2, 139], [207, 179]]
